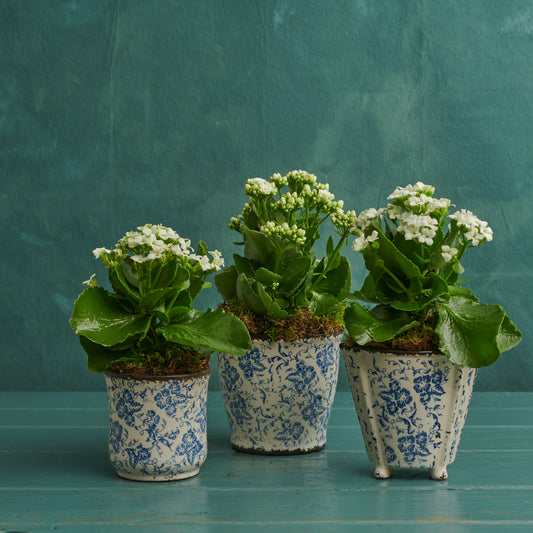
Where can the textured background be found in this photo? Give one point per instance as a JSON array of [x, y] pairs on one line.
[[118, 113]]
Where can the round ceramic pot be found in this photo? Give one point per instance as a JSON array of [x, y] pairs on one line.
[[278, 397], [157, 425], [411, 407]]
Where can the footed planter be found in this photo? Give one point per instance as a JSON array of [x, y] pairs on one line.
[[157, 425], [278, 397], [411, 407]]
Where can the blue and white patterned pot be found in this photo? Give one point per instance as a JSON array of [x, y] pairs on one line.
[[411, 407], [157, 425], [278, 397]]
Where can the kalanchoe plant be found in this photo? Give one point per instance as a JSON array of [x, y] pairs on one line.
[[412, 250], [149, 318], [279, 273]]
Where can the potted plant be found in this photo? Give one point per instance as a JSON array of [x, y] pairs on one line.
[[278, 397], [412, 357], [154, 348]]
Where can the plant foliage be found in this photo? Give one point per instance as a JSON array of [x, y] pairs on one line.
[[412, 250], [279, 273], [155, 276]]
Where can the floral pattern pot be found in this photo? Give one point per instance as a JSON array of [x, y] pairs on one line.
[[278, 397], [411, 407], [157, 425]]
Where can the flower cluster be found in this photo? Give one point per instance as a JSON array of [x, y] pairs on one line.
[[417, 216], [284, 231], [475, 230], [153, 242], [257, 187]]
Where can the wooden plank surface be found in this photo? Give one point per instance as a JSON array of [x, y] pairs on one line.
[[55, 475]]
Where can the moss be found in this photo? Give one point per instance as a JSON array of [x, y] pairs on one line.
[[303, 324], [174, 360]]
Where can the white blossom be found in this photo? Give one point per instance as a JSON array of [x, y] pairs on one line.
[[98, 252], [448, 252], [362, 242], [475, 230], [260, 187], [422, 228]]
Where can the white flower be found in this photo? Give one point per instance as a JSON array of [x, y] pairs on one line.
[[362, 242], [411, 190], [217, 261], [260, 187], [98, 252], [475, 230], [366, 218], [138, 258], [448, 252], [422, 228]]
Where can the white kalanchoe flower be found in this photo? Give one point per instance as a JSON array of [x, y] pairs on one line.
[[362, 242], [475, 230], [278, 180], [366, 217], [422, 228], [411, 190], [260, 187], [217, 260], [98, 252], [448, 253]]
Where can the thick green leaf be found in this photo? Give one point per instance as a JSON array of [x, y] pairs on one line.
[[212, 330], [226, 282], [267, 277], [336, 280], [246, 294], [242, 265], [380, 325], [151, 299], [99, 317], [256, 245], [468, 332], [322, 303], [508, 336], [98, 357], [271, 306], [395, 261], [294, 275]]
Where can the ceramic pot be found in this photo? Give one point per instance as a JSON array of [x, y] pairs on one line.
[[278, 397], [411, 407], [157, 425]]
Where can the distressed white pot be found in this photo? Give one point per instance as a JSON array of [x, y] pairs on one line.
[[157, 425], [278, 397], [411, 407]]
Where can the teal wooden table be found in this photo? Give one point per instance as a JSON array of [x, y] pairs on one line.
[[55, 476]]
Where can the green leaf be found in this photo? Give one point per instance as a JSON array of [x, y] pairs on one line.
[[256, 245], [100, 318], [469, 331], [242, 265], [226, 282], [267, 277], [321, 303], [508, 336], [294, 275], [271, 306], [246, 294], [381, 324], [336, 280], [151, 299], [98, 357], [212, 330]]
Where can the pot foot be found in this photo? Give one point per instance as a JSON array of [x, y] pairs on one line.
[[438, 473], [382, 472]]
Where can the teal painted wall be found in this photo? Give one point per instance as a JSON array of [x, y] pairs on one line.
[[118, 113]]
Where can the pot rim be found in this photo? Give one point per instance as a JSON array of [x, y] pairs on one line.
[[302, 339], [155, 377], [393, 351]]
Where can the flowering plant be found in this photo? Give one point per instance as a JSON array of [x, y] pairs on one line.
[[412, 250], [155, 276], [279, 273]]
